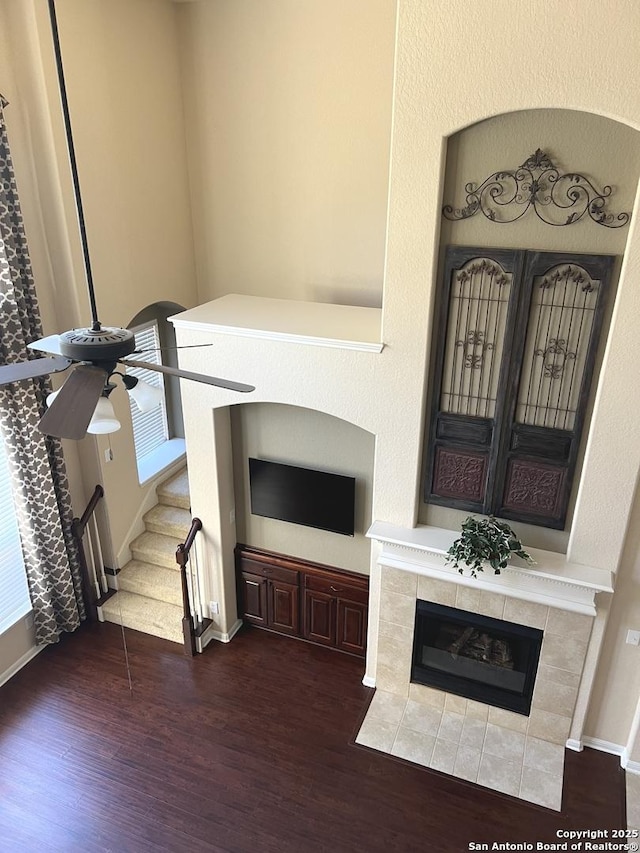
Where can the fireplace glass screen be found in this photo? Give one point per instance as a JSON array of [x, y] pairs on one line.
[[475, 656]]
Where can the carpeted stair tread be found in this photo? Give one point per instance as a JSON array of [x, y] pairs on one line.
[[151, 581], [175, 491], [150, 592], [156, 548], [169, 520], [145, 614]]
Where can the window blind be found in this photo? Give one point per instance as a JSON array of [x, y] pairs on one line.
[[150, 429], [14, 593]]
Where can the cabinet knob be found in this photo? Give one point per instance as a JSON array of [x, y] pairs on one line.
[[335, 589]]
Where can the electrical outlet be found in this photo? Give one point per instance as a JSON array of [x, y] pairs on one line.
[[108, 455], [633, 637], [214, 608]]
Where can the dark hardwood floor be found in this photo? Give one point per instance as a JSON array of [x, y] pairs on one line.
[[248, 747]]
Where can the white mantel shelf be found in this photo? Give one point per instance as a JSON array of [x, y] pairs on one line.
[[290, 320], [553, 580]]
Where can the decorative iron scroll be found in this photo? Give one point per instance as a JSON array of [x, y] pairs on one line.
[[557, 199]]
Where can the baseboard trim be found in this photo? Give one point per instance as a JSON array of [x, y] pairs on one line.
[[369, 681], [203, 640], [575, 745], [211, 634], [23, 661], [234, 630], [629, 765], [603, 745]]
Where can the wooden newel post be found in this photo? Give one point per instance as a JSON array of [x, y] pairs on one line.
[[188, 634], [182, 558]]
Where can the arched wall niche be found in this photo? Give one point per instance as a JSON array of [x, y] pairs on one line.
[[300, 436], [160, 311], [607, 152]]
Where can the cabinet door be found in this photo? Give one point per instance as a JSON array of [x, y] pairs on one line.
[[319, 617], [283, 607], [352, 627], [254, 598]]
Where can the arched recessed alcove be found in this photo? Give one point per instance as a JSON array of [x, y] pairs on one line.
[[605, 151], [304, 437], [159, 312]]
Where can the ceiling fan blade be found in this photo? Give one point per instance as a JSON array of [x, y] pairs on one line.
[[162, 349], [32, 369], [50, 344], [187, 374], [71, 411]]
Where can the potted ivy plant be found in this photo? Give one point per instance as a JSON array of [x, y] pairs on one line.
[[485, 540]]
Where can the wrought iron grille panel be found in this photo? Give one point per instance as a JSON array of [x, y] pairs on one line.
[[478, 305], [559, 331]]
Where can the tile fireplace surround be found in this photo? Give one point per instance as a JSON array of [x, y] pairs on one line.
[[518, 755]]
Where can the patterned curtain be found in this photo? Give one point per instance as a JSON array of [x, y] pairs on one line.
[[39, 480]]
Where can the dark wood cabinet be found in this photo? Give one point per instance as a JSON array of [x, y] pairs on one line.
[[283, 607], [352, 627], [270, 596], [336, 606], [254, 598], [319, 617], [317, 603]]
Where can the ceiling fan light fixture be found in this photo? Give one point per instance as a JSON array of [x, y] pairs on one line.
[[145, 396], [104, 418], [51, 397]]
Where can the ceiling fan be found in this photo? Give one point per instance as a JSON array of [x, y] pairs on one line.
[[97, 350]]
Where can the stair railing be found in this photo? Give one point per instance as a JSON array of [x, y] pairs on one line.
[[95, 587], [192, 615]]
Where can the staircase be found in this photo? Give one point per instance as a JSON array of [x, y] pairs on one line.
[[149, 597]]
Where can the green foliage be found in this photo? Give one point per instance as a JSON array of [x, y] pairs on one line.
[[485, 540]]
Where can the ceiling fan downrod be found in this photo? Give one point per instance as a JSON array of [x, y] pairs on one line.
[[95, 325]]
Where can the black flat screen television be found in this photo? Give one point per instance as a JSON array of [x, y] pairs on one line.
[[302, 496]]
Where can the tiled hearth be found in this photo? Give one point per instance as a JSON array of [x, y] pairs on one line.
[[518, 755]]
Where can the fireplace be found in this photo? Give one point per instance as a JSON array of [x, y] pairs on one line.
[[544, 616], [478, 657]]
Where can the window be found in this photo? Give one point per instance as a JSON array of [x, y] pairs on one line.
[[14, 593], [150, 429], [512, 375]]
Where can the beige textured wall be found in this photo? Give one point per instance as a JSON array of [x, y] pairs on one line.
[[123, 84], [617, 688], [311, 439], [288, 116]]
